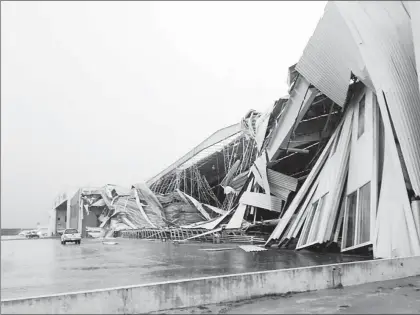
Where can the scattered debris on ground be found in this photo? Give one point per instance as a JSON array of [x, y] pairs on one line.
[[252, 248]]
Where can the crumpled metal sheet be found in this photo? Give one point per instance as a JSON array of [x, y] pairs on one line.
[[414, 10], [210, 208], [239, 181], [281, 227], [178, 211], [252, 248], [298, 103], [282, 180], [264, 201], [238, 216], [396, 233], [99, 203], [230, 174], [249, 123], [330, 75], [211, 224], [195, 203], [153, 208], [384, 36], [262, 124]]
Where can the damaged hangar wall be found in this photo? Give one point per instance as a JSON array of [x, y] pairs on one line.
[[384, 36], [373, 41]]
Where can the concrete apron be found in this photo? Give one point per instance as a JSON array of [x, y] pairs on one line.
[[211, 290]]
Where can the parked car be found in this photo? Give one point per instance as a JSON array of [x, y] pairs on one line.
[[23, 233], [42, 232], [71, 235], [32, 234]]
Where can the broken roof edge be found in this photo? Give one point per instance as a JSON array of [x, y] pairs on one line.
[[207, 153], [213, 139]]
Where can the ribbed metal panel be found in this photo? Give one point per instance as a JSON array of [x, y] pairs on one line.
[[384, 28], [252, 248], [280, 192], [396, 234], [329, 57], [413, 8], [262, 201], [300, 99], [239, 181], [282, 180]]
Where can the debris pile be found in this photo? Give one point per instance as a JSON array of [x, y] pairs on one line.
[[177, 211]]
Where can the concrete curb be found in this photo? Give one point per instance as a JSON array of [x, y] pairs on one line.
[[210, 290]]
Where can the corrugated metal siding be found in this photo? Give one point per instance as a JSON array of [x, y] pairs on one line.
[[395, 227], [262, 201], [280, 192], [330, 56], [388, 53], [282, 180], [414, 11], [239, 181], [299, 101]]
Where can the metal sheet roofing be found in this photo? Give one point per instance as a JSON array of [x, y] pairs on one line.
[[281, 180], [414, 12], [330, 56], [264, 201], [215, 138], [204, 154]]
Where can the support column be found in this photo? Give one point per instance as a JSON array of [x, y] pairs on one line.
[[81, 215], [68, 212]]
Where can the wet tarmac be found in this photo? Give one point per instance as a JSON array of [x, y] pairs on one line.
[[44, 266]]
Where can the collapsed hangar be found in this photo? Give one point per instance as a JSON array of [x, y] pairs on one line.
[[359, 186], [335, 164]]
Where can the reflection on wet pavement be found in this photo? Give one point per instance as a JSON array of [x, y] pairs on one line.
[[41, 267]]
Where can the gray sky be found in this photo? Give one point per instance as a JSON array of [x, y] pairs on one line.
[[113, 92]]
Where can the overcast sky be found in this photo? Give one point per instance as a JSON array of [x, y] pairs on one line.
[[113, 92]]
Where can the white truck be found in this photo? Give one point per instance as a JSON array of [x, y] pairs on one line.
[[71, 235]]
